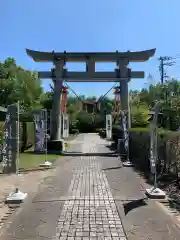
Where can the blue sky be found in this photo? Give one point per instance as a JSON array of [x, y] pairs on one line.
[[96, 25]]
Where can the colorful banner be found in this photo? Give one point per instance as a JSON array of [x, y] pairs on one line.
[[10, 139], [40, 120]]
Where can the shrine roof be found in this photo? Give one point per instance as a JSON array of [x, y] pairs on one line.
[[140, 56]]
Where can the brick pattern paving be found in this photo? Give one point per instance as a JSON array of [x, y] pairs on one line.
[[90, 212]]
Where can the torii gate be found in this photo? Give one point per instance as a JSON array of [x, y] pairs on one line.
[[60, 73]]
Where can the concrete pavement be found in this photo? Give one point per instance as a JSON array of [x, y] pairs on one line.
[[90, 197]]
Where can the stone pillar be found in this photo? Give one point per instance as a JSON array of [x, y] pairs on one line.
[[124, 95], [124, 72], [56, 125]]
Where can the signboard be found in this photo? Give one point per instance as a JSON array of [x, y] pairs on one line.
[[153, 140], [40, 120], [108, 126], [65, 126], [10, 139]]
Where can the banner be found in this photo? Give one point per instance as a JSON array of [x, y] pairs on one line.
[[153, 139], [10, 139], [125, 131], [40, 120], [108, 126]]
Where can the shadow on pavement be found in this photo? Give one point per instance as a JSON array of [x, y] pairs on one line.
[[41, 153], [134, 204], [75, 154], [111, 168]]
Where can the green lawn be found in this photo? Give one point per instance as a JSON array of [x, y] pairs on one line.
[[32, 160]]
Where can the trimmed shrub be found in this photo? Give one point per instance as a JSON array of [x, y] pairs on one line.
[[30, 135], [27, 135], [168, 150], [1, 132], [116, 133], [74, 131], [139, 149]]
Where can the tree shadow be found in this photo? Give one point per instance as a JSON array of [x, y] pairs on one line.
[[111, 168], [42, 153], [80, 154], [134, 204], [112, 146]]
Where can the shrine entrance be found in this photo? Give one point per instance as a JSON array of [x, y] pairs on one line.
[[122, 74]]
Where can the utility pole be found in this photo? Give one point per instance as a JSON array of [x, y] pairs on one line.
[[150, 80], [164, 61]]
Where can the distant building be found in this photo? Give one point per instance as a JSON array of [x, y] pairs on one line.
[[90, 106]]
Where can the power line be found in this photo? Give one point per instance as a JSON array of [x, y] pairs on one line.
[[176, 56]]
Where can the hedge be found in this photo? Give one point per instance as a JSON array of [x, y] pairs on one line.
[[26, 137], [139, 148], [1, 132]]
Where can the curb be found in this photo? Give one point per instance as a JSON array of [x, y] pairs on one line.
[[35, 169]]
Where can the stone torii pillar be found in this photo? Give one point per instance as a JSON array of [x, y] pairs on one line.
[[124, 72], [56, 115]]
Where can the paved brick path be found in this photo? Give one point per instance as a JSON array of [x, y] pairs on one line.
[[85, 198], [91, 212]]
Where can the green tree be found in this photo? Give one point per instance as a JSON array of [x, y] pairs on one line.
[[17, 84], [140, 115]]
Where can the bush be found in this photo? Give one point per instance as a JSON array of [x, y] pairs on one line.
[[139, 148], [30, 134], [74, 131], [168, 150], [27, 135], [87, 122], [140, 114], [99, 130], [116, 133], [1, 132], [102, 133]]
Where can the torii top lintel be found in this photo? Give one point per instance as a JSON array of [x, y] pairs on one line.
[[141, 56]]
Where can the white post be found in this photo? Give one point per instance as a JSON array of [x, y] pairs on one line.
[[46, 163], [46, 123], [108, 126], [18, 153], [63, 129], [65, 126]]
